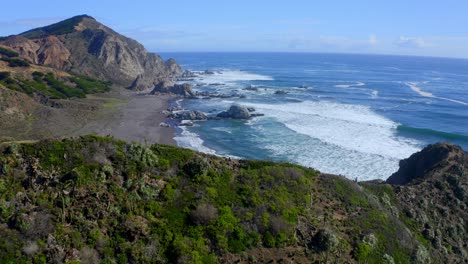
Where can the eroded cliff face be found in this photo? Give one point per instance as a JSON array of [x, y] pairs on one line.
[[84, 46]]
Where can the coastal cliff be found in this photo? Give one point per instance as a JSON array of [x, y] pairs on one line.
[[96, 199]]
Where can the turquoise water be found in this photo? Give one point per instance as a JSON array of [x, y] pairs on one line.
[[354, 115]]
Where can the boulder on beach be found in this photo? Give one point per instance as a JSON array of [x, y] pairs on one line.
[[184, 89], [188, 115]]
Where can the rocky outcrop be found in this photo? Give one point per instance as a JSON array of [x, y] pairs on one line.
[[238, 112], [281, 92], [84, 46], [235, 112], [26, 48], [52, 52], [177, 89], [432, 189], [188, 115], [434, 159]]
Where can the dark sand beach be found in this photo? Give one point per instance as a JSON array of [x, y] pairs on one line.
[[134, 118]]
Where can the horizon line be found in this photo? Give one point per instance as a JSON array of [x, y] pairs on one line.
[[322, 52]]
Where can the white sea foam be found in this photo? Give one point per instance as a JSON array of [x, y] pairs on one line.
[[352, 127], [364, 143], [414, 86], [374, 94], [230, 76], [357, 84], [191, 140], [343, 85]]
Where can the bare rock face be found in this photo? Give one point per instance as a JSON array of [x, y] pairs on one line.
[[25, 47], [84, 46], [53, 53], [432, 189], [434, 159]]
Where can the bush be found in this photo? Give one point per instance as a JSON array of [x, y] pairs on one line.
[[204, 214], [362, 251], [4, 75], [13, 62]]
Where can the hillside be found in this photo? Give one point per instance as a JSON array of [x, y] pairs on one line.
[[84, 46], [62, 79], [96, 199]]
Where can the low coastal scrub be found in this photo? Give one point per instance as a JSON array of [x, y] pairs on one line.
[[15, 62], [8, 52], [47, 84], [96, 199]]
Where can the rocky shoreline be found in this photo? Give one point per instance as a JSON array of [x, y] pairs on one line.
[[185, 117]]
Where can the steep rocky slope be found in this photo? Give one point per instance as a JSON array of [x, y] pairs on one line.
[[433, 193], [94, 199], [84, 46]]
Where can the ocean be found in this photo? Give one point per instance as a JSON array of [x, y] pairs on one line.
[[352, 115]]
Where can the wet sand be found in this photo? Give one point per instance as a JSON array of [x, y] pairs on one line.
[[134, 118]]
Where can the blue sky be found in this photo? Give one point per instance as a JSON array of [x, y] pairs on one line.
[[406, 27]]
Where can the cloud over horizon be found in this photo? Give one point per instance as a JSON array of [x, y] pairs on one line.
[[412, 42]]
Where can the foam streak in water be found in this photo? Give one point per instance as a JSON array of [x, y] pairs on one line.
[[414, 87], [229, 76]]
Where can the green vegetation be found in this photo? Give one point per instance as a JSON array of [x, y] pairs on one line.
[[127, 202], [60, 28], [113, 202], [8, 52], [14, 62], [49, 85]]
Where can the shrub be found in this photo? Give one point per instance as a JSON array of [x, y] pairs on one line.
[[362, 251], [4, 75], [13, 62], [204, 214]]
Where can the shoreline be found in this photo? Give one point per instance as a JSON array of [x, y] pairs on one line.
[[136, 120]]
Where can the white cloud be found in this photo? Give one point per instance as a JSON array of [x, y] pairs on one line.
[[373, 40], [347, 43], [412, 42], [335, 41]]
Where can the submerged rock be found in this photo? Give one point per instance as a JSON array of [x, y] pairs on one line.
[[281, 92], [251, 88]]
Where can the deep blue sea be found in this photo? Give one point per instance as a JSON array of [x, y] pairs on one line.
[[354, 115]]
